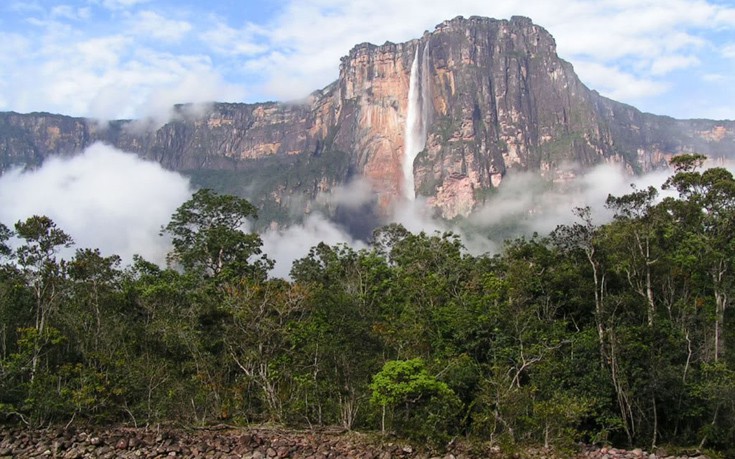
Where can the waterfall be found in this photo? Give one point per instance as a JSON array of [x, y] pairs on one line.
[[417, 119]]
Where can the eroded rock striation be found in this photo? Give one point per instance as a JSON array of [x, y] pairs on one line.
[[485, 98]]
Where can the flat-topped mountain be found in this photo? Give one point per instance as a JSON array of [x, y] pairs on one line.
[[446, 116]]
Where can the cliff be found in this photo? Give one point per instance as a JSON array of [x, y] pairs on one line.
[[446, 116]]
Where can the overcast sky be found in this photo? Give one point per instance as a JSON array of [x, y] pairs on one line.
[[132, 58]]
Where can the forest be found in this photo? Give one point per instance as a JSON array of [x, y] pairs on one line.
[[618, 333]]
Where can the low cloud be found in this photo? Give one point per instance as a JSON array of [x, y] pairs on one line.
[[104, 198], [292, 243], [112, 200], [353, 195], [525, 201]]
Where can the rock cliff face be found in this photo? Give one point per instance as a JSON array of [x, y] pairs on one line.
[[446, 116]]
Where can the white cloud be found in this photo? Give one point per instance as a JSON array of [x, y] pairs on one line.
[[616, 83], [524, 198], [120, 4], [626, 38], [289, 244], [713, 77], [227, 40], [352, 195], [728, 51], [70, 12], [196, 87], [103, 198], [666, 64], [153, 25], [297, 49], [111, 77]]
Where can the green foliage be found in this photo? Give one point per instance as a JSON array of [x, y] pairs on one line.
[[617, 334], [208, 236], [5, 234], [270, 175], [424, 405]]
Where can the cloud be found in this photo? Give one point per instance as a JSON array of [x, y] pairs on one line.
[[666, 64], [625, 39], [124, 72], [284, 52], [70, 12], [292, 243], [230, 41], [104, 198], [524, 204], [527, 203], [198, 88], [728, 51], [352, 195], [713, 77], [618, 84], [155, 26], [97, 82], [120, 4]]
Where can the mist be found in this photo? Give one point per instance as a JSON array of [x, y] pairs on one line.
[[112, 200], [524, 204], [536, 206], [287, 245], [103, 198]]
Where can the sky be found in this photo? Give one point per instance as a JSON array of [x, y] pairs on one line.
[[112, 59]]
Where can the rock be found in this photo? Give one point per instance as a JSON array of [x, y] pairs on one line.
[[473, 138]]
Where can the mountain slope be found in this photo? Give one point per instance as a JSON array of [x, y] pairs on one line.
[[467, 104]]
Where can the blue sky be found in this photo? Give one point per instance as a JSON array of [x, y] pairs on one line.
[[133, 58]]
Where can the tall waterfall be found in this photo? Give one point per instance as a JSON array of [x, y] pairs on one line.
[[417, 119]]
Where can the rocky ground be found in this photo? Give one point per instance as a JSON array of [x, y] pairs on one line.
[[260, 443]]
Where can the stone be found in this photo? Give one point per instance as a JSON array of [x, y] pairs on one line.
[[473, 138]]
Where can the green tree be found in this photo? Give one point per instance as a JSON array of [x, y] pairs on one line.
[[340, 349], [634, 237], [705, 211], [43, 273], [208, 235], [424, 403], [5, 235]]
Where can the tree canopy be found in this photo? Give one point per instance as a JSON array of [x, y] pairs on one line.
[[619, 333]]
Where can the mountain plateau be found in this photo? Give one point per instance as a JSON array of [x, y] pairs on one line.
[[447, 117]]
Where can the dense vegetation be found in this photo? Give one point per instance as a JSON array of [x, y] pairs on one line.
[[617, 333]]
